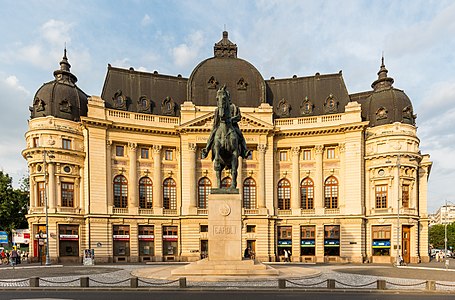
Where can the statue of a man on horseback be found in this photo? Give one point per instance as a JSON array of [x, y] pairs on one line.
[[226, 140]]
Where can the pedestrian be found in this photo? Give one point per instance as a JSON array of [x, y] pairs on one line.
[[286, 255], [14, 257]]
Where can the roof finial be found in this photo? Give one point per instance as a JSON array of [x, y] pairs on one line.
[[383, 80], [64, 52], [382, 59]]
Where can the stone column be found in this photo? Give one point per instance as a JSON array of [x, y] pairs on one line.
[[132, 182], [192, 147], [240, 178], [51, 187], [261, 176], [319, 180], [77, 199], [157, 184], [33, 192], [342, 197], [295, 184], [109, 182]]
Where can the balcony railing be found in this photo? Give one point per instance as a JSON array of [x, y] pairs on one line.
[[254, 211], [307, 211], [331, 211], [284, 212], [146, 211], [202, 211], [169, 212], [120, 210]]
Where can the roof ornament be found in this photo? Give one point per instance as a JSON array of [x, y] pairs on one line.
[[383, 80], [64, 74], [225, 48]]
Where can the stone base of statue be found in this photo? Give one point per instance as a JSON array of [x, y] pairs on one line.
[[225, 242]]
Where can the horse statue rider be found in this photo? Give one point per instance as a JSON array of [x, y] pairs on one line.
[[226, 140]]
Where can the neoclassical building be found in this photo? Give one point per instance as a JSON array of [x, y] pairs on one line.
[[333, 176]]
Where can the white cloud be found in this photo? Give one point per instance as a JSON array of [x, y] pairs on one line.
[[146, 20], [184, 54], [13, 82], [56, 32]]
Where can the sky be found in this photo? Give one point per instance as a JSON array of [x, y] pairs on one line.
[[279, 37]]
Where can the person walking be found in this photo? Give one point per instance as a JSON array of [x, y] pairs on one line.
[[286, 255]]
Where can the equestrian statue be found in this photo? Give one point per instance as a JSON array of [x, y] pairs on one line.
[[226, 140]]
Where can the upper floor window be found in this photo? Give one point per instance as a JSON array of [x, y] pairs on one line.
[[283, 155], [226, 182], [120, 191], [250, 228], [330, 153], [249, 193], [67, 194], [35, 142], [405, 195], [381, 196], [41, 194], [169, 194], [66, 144], [204, 228], [119, 150], [306, 154], [168, 155], [307, 193], [145, 193], [204, 187], [145, 153], [331, 192], [250, 156], [284, 194]]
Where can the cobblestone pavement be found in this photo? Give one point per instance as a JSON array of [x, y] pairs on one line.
[[346, 276]]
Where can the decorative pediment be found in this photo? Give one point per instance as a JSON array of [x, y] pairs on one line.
[[205, 122]]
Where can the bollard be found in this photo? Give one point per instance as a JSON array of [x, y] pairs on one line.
[[381, 284], [34, 282], [182, 282], [431, 285], [330, 283], [84, 281], [281, 283], [134, 282]]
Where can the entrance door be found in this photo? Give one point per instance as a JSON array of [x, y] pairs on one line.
[[406, 243]]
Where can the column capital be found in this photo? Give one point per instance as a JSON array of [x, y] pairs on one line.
[[108, 143], [319, 149], [341, 147], [295, 150], [132, 146], [262, 147], [192, 147], [156, 149]]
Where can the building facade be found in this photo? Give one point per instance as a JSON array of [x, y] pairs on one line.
[[333, 176]]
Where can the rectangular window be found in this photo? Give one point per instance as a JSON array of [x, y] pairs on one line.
[[405, 195], [331, 240], [250, 156], [308, 232], [330, 153], [306, 154], [146, 238], [285, 232], [35, 142], [283, 155], [119, 150], [41, 194], [168, 155], [307, 240], [204, 228], [66, 144], [121, 236], [145, 153], [67, 194], [381, 240], [68, 240], [250, 228], [381, 196]]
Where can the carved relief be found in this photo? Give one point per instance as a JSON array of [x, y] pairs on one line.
[[331, 105], [381, 113], [212, 83], [306, 107], [283, 108], [168, 106], [408, 115], [144, 104], [192, 147], [38, 104], [262, 147], [242, 84]]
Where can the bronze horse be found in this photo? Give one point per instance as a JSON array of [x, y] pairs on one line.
[[225, 147]]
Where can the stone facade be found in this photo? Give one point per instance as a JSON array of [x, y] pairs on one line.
[[328, 187]]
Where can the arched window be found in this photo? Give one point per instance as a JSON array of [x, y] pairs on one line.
[[249, 193], [120, 191], [307, 193], [331, 192], [204, 186], [284, 194], [226, 182], [169, 194], [145, 193]]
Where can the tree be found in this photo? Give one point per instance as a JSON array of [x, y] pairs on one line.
[[13, 203], [437, 235]]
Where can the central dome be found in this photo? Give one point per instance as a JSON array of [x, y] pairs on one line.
[[242, 79]]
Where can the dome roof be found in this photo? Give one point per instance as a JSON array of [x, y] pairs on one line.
[[61, 97], [387, 104], [244, 82]]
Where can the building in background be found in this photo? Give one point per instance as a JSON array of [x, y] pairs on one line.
[[444, 215], [333, 177]]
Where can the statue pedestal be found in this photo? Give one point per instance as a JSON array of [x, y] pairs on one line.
[[225, 243]]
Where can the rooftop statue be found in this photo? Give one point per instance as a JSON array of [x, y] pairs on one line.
[[226, 140]]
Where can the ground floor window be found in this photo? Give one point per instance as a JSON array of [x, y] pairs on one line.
[[381, 240], [284, 241], [121, 237], [146, 240], [204, 249], [307, 241], [68, 240], [332, 240], [170, 240]]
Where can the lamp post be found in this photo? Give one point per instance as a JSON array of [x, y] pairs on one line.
[[50, 156], [445, 226]]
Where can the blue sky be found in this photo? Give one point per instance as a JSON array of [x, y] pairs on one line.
[[281, 38]]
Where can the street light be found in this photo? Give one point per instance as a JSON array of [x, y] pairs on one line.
[[445, 227], [50, 156]]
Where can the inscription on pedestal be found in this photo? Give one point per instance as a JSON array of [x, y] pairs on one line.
[[223, 230]]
